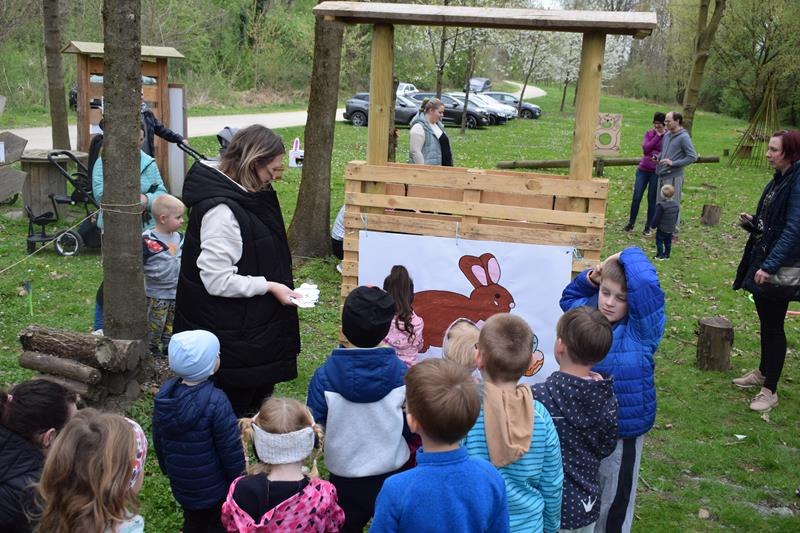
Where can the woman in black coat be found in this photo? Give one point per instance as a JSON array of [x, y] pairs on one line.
[[31, 414], [774, 243], [236, 270]]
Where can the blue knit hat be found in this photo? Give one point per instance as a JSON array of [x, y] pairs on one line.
[[193, 354]]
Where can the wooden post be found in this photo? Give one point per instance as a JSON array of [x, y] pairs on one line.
[[380, 94], [714, 343], [587, 107], [710, 215]]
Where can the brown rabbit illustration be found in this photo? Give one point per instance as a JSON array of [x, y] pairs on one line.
[[440, 308]]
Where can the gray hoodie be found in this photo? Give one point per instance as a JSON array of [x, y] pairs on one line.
[[678, 148], [162, 263]]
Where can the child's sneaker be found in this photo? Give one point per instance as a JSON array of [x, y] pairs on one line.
[[659, 257], [754, 378], [647, 232], [628, 227], [764, 401]]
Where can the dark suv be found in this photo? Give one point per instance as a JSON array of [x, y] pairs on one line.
[[357, 110], [453, 109], [527, 111]]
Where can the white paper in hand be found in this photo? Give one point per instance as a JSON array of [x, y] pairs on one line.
[[309, 295]]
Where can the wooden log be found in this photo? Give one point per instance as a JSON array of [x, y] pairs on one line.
[[61, 342], [58, 366], [86, 391], [607, 162], [714, 343], [119, 355], [711, 215]]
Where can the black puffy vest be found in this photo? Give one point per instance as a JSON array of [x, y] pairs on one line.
[[259, 337]]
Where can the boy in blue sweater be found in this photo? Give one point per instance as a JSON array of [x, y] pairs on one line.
[[515, 432], [358, 395], [195, 433], [584, 409], [625, 289], [448, 490]]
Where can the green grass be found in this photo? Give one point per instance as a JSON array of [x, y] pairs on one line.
[[692, 460]]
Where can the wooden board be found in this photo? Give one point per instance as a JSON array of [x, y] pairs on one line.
[[638, 24], [14, 146], [11, 182], [492, 205]]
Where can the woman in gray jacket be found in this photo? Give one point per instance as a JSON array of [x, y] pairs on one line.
[[429, 144]]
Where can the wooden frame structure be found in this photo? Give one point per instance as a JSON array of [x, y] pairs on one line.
[[154, 64], [473, 203]]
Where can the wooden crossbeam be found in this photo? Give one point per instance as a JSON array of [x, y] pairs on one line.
[[638, 24]]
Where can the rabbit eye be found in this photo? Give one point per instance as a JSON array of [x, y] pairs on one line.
[[497, 295]]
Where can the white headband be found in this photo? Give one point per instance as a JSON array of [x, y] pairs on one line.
[[283, 448]]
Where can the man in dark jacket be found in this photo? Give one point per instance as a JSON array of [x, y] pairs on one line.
[[153, 126]]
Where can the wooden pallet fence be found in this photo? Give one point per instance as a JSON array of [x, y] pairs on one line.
[[476, 204]]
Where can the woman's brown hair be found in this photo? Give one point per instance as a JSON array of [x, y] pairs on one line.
[[278, 415], [85, 483], [252, 146], [35, 406]]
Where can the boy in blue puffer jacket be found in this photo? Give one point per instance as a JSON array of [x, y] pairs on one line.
[[195, 432], [625, 289]]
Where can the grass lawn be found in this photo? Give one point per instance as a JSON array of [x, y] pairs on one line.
[[692, 459]]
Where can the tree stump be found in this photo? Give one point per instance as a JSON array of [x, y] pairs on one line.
[[711, 215], [714, 343]]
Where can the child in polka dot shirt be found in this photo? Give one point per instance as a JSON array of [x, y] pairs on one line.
[[584, 410]]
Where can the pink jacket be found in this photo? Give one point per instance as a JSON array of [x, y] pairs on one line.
[[406, 346], [293, 514]]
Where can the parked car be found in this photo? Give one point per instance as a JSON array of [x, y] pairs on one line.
[[453, 109], [404, 89], [528, 110], [357, 110], [479, 84], [498, 113]]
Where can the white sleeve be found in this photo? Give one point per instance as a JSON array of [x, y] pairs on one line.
[[220, 250], [416, 141]]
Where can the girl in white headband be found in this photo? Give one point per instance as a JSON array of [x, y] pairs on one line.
[[277, 494]]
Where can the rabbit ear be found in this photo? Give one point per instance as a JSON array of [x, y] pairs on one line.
[[492, 267], [473, 269]]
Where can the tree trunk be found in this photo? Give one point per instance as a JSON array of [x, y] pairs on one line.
[[55, 74], [714, 343], [440, 61], [309, 232], [706, 30], [470, 71], [124, 311], [564, 94]]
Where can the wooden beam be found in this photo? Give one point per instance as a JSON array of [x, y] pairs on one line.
[[638, 24], [587, 106], [380, 94]]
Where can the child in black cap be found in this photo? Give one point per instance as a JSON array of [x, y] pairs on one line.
[[358, 395]]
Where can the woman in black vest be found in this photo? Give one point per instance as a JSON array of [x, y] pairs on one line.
[[774, 243], [236, 270]]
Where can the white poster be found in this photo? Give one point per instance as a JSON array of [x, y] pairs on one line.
[[474, 279]]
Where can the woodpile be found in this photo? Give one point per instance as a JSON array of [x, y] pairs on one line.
[[97, 368]]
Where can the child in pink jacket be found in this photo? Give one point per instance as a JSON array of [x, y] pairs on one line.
[[405, 333]]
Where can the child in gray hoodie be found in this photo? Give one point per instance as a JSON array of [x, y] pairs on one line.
[[161, 252]]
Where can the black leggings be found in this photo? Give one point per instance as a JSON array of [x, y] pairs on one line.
[[772, 315], [247, 402]]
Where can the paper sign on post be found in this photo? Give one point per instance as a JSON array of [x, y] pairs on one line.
[[296, 154], [2, 152]]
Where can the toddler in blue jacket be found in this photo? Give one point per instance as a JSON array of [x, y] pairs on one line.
[[625, 289], [448, 490], [195, 433]]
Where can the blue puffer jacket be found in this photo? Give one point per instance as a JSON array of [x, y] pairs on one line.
[[636, 339], [197, 442]]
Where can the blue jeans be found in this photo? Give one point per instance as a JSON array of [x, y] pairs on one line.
[[644, 180], [663, 243]]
